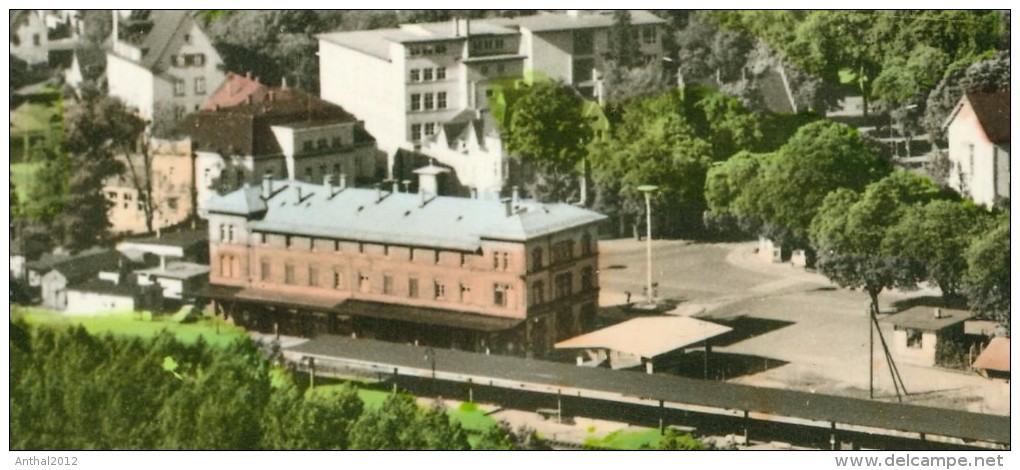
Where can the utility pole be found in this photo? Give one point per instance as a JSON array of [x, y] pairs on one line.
[[648, 190]]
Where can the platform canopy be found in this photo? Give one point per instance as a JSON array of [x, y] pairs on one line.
[[647, 336]]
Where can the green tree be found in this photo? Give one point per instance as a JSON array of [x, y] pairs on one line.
[[97, 129], [854, 235], [546, 127], [329, 416], [821, 157], [987, 279], [937, 235], [389, 427], [859, 43], [654, 143], [730, 207], [673, 440]]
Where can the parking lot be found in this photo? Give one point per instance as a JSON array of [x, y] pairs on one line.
[[793, 329]]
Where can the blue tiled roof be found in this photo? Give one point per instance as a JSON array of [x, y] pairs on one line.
[[398, 218]]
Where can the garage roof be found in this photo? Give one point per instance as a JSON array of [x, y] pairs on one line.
[[647, 336]]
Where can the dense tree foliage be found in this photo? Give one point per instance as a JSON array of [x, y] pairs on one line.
[[855, 234], [546, 127], [654, 143], [937, 235], [860, 44], [779, 194], [73, 390], [987, 279]]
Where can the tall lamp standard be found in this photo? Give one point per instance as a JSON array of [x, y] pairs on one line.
[[648, 190]]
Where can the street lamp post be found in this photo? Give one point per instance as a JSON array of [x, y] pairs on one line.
[[648, 190]]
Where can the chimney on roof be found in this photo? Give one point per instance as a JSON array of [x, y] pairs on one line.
[[396, 186], [343, 181], [378, 193], [283, 83], [407, 185], [300, 195], [474, 192], [938, 313], [508, 205], [267, 186], [327, 181], [516, 197]]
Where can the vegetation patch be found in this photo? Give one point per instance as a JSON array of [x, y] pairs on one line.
[[214, 331], [625, 440]]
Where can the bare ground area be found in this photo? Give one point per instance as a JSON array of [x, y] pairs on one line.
[[793, 329]]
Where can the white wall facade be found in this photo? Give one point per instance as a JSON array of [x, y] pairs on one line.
[[979, 168], [368, 87], [922, 356], [81, 303], [132, 83]]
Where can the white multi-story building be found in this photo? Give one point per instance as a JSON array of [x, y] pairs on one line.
[[162, 63], [407, 83]]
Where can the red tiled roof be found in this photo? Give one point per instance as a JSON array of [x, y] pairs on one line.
[[995, 356], [235, 90], [992, 111]]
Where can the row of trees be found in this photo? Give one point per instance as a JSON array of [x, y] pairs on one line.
[[670, 139], [902, 230], [73, 390], [872, 228]]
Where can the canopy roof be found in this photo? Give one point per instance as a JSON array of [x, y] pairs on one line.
[[647, 336]]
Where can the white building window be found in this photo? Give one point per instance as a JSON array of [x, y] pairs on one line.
[[179, 87], [441, 100], [415, 102], [429, 101], [199, 85], [430, 128], [441, 73], [415, 132], [415, 75]]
